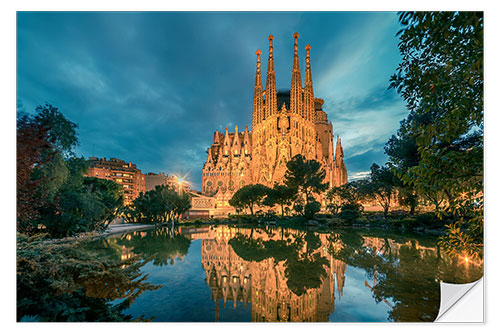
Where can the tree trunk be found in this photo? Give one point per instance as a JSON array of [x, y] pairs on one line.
[[386, 210], [412, 209]]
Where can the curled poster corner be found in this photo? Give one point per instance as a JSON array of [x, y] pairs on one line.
[[461, 302]]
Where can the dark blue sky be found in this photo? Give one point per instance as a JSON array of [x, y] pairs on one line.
[[152, 88]]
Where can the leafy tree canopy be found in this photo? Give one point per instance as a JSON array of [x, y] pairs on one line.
[[305, 177], [441, 79], [249, 196]]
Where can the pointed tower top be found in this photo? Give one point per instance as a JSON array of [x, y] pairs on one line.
[[296, 89], [246, 128], [216, 137], [309, 112], [308, 56], [339, 151], [257, 96], [271, 98], [295, 46]]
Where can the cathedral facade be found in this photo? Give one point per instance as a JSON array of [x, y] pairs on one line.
[[284, 124]]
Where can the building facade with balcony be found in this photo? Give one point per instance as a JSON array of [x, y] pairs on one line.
[[131, 179]]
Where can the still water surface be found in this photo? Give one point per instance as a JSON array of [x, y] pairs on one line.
[[237, 274]]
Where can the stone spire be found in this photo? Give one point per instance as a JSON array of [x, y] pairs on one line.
[[339, 152], [227, 144], [210, 161], [271, 98], [296, 91], [235, 148], [308, 88], [246, 143], [257, 95], [216, 137]]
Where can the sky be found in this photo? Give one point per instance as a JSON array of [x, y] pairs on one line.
[[153, 87]]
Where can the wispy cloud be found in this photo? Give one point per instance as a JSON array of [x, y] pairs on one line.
[[153, 87], [358, 175]]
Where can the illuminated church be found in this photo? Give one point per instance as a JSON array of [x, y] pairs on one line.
[[284, 124]]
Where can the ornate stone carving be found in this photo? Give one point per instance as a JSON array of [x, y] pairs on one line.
[[260, 155]]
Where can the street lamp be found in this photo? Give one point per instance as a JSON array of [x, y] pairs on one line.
[[180, 180]]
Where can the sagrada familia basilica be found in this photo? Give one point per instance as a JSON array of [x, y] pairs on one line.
[[284, 124]]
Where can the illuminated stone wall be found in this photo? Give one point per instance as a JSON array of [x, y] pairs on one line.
[[284, 124], [263, 284]]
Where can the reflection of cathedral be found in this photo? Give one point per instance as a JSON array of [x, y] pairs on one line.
[[264, 284], [284, 124]]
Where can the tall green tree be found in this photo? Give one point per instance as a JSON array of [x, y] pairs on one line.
[[349, 194], [44, 140], [280, 195], [441, 79], [402, 152], [249, 196], [61, 133], [53, 192], [32, 145], [81, 203], [161, 205], [306, 177], [381, 186]]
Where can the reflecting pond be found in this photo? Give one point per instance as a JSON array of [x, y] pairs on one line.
[[240, 274]]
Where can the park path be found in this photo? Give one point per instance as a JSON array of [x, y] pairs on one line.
[[125, 227]]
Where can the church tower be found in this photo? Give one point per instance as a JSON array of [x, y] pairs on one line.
[[284, 123], [271, 106]]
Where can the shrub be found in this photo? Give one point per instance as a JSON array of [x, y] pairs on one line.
[[72, 281], [311, 209], [349, 215]]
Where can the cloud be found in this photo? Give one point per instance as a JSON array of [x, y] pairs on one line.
[[359, 175], [152, 88]]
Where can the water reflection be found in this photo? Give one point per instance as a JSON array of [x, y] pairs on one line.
[[281, 274]]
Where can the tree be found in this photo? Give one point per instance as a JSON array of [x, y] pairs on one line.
[[381, 186], [311, 208], [181, 204], [441, 79], [306, 178], [160, 205], [81, 203], [348, 194], [280, 195], [32, 146], [61, 133], [43, 140], [249, 196], [52, 191], [402, 151]]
